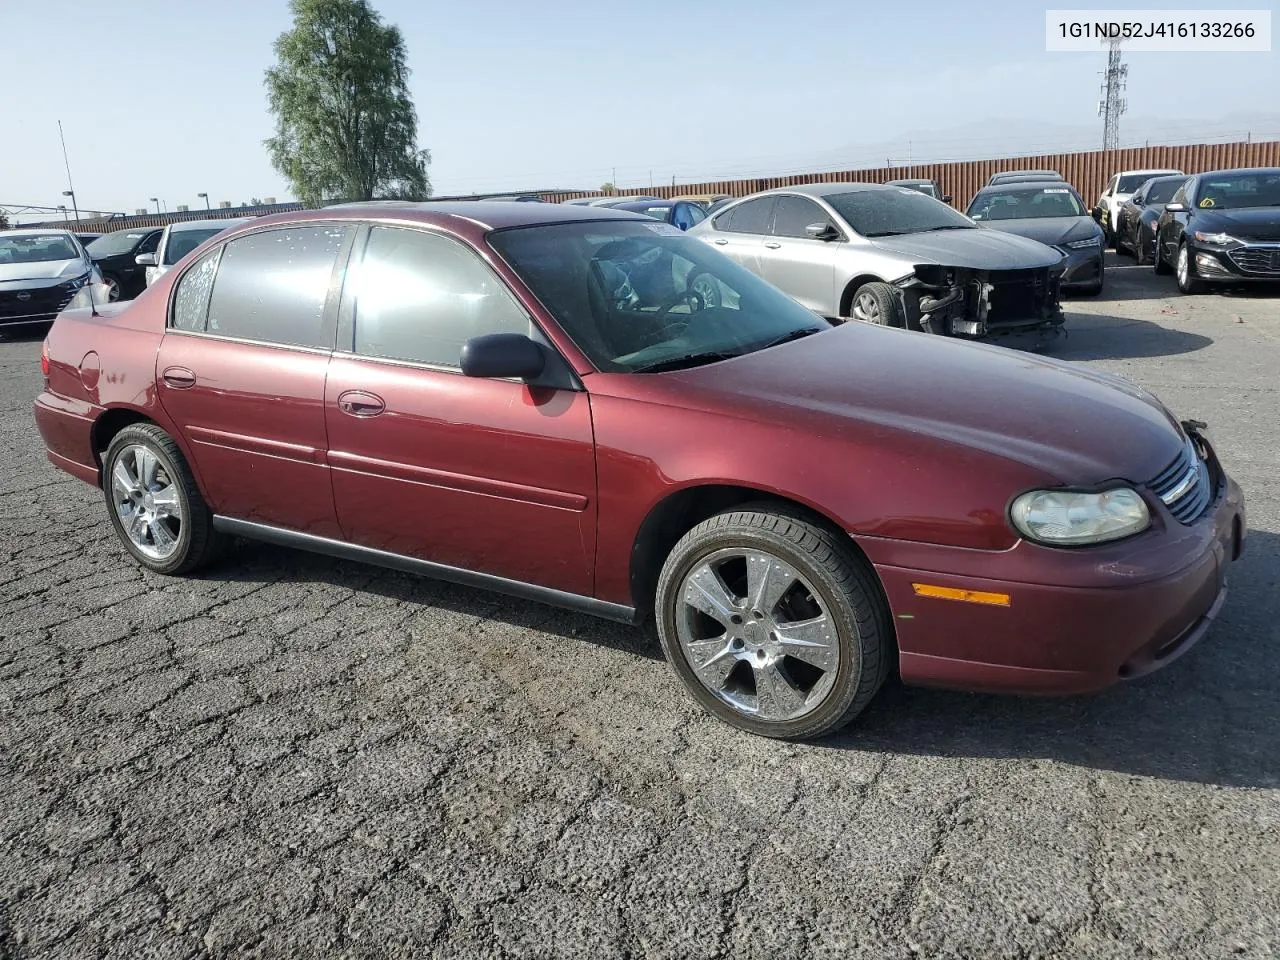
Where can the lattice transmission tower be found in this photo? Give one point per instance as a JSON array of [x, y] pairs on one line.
[[1113, 102]]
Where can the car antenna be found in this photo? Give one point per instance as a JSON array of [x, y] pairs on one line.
[[93, 307]]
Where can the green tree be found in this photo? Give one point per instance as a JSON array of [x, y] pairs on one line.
[[345, 125], [606, 188], [4, 221]]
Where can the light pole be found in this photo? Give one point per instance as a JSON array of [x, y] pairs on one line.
[[63, 208], [156, 201], [205, 198], [74, 206]]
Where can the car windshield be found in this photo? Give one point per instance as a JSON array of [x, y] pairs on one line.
[[110, 244], [1234, 191], [37, 248], [1132, 182], [645, 297], [658, 213], [1162, 191], [1020, 203], [887, 213], [183, 242]]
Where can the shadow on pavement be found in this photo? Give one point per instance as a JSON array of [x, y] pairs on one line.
[[1213, 716], [1092, 336]]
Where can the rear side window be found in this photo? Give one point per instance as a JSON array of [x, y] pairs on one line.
[[420, 297], [191, 298], [749, 217], [272, 286]]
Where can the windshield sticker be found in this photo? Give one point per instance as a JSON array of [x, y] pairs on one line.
[[1056, 190], [665, 229], [54, 239], [907, 190], [1207, 202]]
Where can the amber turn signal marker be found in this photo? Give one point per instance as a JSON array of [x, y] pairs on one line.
[[968, 596]]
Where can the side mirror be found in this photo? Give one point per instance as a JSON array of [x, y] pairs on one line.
[[821, 231], [946, 198], [145, 259], [500, 355], [1096, 213], [1174, 207]]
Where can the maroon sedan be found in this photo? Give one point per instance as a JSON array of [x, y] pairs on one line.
[[591, 409]]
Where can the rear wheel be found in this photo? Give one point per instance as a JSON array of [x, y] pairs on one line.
[[154, 504], [877, 302], [1140, 248], [1161, 267], [773, 624]]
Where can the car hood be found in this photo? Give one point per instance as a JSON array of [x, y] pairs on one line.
[[976, 249], [42, 270], [1250, 223], [1050, 230], [1067, 423]]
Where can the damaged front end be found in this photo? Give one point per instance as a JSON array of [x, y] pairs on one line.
[[965, 302]]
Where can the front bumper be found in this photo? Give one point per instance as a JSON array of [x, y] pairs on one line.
[[1083, 267], [1079, 620], [33, 304], [1250, 262]]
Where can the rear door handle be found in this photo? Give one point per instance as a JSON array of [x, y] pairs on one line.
[[180, 378], [772, 244], [360, 403], [720, 241]]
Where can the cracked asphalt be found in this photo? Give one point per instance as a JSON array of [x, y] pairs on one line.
[[292, 756]]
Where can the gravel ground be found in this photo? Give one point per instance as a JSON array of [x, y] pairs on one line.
[[295, 756]]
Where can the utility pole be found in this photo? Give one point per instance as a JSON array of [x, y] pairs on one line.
[[1112, 103]]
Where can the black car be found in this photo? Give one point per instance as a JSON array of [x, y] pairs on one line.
[[1136, 222], [114, 253], [1053, 213], [679, 213], [1222, 227]]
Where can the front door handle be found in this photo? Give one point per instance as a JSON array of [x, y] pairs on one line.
[[772, 244], [180, 378], [719, 241], [360, 403]]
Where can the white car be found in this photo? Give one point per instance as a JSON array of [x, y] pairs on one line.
[[178, 240], [1119, 189]]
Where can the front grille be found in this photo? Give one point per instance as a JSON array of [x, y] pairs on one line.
[[1262, 261], [1184, 486], [42, 302], [1021, 296]]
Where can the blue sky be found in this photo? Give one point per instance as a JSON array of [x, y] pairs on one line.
[[165, 98]]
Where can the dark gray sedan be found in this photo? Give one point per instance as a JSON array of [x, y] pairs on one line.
[[1054, 214]]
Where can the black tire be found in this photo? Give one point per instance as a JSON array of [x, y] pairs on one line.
[[1140, 249], [197, 541], [883, 305], [1121, 246], [846, 588], [1188, 283], [1160, 267]]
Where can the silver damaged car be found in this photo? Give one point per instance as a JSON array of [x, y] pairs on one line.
[[893, 256]]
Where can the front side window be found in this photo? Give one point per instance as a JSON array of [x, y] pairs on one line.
[[1162, 191], [1132, 182], [895, 211], [419, 297], [793, 214], [640, 297], [272, 286]]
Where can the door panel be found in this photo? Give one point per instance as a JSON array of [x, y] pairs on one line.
[[805, 269], [488, 475], [254, 419]]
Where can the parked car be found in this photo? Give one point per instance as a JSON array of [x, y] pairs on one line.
[[616, 200], [930, 188], [1136, 225], [1053, 213], [679, 213], [581, 201], [572, 406], [42, 272], [115, 254], [715, 205], [1119, 189], [1222, 227], [1006, 175], [179, 239], [514, 198], [891, 255], [703, 200], [87, 238]]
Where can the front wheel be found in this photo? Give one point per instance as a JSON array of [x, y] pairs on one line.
[[1188, 283], [115, 290], [773, 624], [154, 504], [877, 302]]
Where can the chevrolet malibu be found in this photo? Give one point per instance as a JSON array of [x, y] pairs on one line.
[[589, 408]]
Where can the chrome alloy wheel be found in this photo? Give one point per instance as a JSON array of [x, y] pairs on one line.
[[866, 308], [756, 634], [1183, 267], [147, 502]]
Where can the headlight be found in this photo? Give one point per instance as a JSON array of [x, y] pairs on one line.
[[1217, 239], [76, 283], [1069, 518], [1082, 244]]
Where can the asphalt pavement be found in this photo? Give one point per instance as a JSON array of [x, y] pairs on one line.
[[293, 756]]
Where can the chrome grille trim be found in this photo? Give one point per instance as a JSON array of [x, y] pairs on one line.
[[1260, 259], [1184, 486]]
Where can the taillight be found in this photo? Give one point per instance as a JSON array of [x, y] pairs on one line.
[[44, 359]]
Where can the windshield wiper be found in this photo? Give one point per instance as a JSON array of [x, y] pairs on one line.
[[788, 337], [951, 226], [684, 360], [887, 233]]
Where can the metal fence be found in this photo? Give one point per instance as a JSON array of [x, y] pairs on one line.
[[1087, 172]]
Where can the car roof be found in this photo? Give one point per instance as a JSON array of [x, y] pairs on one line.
[[1168, 170], [1037, 184], [826, 189], [631, 204], [903, 183], [184, 225], [33, 232], [1238, 171]]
